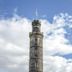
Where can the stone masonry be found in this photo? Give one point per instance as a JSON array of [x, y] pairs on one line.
[[36, 48]]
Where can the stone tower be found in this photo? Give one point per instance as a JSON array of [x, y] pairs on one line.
[[36, 48]]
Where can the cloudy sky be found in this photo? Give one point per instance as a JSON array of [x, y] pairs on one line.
[[15, 24]]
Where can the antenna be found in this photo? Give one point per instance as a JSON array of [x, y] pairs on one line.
[[15, 10], [36, 14]]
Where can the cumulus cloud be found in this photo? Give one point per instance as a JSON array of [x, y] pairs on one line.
[[57, 64], [55, 40], [14, 43]]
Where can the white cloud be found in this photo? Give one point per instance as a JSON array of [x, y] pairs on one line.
[[14, 44], [57, 64], [55, 41]]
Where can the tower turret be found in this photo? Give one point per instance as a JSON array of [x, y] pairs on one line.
[[36, 26]]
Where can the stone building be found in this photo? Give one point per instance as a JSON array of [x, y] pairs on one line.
[[36, 48]]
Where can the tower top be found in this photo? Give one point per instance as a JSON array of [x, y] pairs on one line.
[[36, 26], [36, 23]]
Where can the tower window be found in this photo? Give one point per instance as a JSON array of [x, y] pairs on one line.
[[36, 29]]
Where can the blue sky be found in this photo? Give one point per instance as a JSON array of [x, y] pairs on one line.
[[27, 8], [15, 24]]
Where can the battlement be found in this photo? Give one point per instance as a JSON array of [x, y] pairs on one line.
[[36, 23], [36, 26]]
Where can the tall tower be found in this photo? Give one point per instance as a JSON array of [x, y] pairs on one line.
[[36, 48]]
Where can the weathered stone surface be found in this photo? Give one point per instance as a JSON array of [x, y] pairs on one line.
[[36, 48]]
